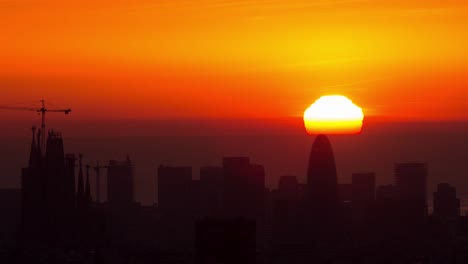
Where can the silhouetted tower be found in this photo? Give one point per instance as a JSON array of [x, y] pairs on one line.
[[88, 198], [48, 192], [174, 189], [410, 180], [70, 164], [59, 189], [56, 187], [363, 194], [33, 191], [97, 169], [363, 187], [446, 204], [288, 188], [386, 193], [35, 153], [285, 201], [208, 192], [244, 188], [120, 191], [80, 195], [322, 186]]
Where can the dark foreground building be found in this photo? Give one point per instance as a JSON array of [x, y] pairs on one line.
[[229, 241]]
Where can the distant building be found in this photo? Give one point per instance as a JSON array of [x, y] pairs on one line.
[[386, 193], [446, 204], [176, 204], [244, 188], [387, 210], [207, 193], [288, 188], [285, 203], [120, 183], [174, 189], [212, 175], [362, 195], [411, 182], [363, 187]]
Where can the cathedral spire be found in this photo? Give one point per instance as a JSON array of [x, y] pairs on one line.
[[39, 146], [80, 191], [87, 197], [33, 159], [33, 136]]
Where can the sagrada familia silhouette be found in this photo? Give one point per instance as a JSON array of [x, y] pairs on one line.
[[55, 209]]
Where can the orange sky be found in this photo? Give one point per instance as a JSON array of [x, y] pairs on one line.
[[235, 58]]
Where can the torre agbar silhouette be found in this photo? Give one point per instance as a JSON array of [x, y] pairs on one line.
[[322, 185]]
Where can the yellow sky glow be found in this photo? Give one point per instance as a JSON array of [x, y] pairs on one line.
[[263, 58]]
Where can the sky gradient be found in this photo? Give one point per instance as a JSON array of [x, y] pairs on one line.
[[235, 59]]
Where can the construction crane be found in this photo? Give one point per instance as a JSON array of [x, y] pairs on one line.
[[42, 111], [97, 169]]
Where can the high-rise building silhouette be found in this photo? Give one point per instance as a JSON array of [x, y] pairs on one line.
[[244, 192], [363, 187], [207, 193], [174, 189], [284, 202], [212, 174], [322, 185], [446, 203], [87, 194], [176, 206], [120, 183], [410, 183], [80, 193], [288, 188], [244, 188], [386, 193], [235, 173], [363, 195]]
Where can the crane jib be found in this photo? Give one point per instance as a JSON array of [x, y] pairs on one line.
[[41, 110]]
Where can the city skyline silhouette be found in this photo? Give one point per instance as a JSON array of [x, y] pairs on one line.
[[233, 131], [184, 217]]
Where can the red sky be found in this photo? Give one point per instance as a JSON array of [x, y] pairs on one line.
[[235, 58]]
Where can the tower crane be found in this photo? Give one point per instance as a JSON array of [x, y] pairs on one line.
[[98, 168], [42, 111]]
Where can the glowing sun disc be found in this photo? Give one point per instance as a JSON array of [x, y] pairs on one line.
[[333, 114]]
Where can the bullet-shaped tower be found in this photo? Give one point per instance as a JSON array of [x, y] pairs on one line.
[[322, 185]]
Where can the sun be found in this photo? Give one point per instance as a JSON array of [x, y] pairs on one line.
[[333, 114]]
